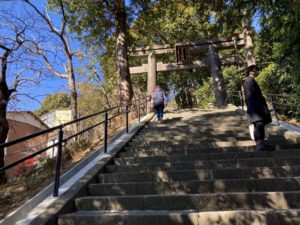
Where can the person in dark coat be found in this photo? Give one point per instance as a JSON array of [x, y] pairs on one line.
[[257, 109]]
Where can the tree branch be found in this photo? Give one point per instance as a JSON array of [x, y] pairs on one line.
[[64, 16], [47, 19]]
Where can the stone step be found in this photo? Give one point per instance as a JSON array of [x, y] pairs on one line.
[[186, 217], [204, 144], [210, 130], [183, 136], [221, 145], [229, 133], [199, 126], [192, 134], [209, 141], [214, 132], [167, 127], [185, 175], [196, 187], [212, 164], [201, 170], [195, 130], [209, 125], [216, 152], [189, 148], [235, 118], [192, 139], [203, 202], [204, 156], [223, 120]]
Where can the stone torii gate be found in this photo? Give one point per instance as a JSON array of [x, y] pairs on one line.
[[184, 53]]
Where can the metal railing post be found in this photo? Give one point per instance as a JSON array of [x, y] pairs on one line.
[[274, 109], [58, 161], [139, 111], [230, 98], [105, 131], [241, 100], [126, 118]]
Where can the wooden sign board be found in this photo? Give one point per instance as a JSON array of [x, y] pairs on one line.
[[183, 54]]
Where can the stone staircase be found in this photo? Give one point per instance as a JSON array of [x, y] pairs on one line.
[[199, 170]]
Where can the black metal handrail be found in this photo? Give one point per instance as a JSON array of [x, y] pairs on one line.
[[285, 98], [61, 139], [275, 104], [238, 95]]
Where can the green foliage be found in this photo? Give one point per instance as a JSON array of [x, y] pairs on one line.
[[279, 46], [205, 95], [107, 59], [53, 102], [90, 99], [168, 22], [232, 78], [273, 80], [278, 54]]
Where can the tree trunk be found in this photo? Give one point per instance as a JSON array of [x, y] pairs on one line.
[[249, 49], [3, 134], [122, 65], [4, 98], [73, 93]]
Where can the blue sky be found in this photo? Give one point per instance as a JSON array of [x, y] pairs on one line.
[[49, 84]]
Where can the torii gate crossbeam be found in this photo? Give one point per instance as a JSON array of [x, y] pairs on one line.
[[210, 47]]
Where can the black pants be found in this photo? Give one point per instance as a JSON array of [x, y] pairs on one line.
[[259, 130]]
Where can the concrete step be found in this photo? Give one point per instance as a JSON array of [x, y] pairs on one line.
[[185, 175], [196, 186], [186, 217], [223, 120], [188, 148], [273, 130], [194, 143], [214, 143], [209, 141], [203, 202], [218, 123], [212, 164], [211, 130], [221, 145], [187, 140], [214, 152], [201, 170], [205, 156], [164, 126], [192, 135]]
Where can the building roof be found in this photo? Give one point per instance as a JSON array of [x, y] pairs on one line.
[[27, 117]]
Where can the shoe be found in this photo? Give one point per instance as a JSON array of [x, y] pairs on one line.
[[263, 148]]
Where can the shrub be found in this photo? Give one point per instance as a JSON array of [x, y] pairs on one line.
[[27, 167], [205, 95]]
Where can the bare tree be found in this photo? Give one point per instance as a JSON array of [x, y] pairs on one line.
[[15, 65], [62, 37]]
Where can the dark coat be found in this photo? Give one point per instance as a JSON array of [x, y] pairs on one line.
[[257, 109]]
